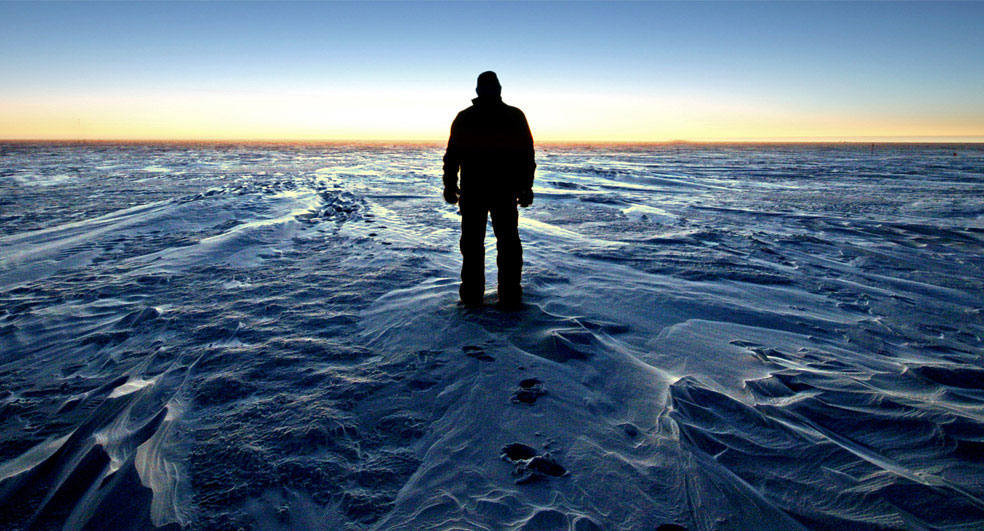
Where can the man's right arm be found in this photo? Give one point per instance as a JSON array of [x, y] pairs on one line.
[[528, 162]]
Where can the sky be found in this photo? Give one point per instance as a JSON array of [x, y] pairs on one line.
[[582, 71]]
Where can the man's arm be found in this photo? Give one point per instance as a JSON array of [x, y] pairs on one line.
[[528, 166], [452, 162]]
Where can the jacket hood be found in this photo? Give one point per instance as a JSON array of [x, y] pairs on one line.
[[485, 100]]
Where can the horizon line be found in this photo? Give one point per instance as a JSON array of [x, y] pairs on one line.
[[762, 140]]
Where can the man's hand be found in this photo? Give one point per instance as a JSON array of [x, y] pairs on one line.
[[525, 198], [451, 194]]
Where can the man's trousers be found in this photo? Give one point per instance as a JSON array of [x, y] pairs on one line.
[[509, 250]]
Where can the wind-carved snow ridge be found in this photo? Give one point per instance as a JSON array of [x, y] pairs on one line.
[[335, 205], [713, 337], [163, 474]]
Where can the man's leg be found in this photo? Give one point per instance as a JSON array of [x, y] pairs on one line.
[[474, 217], [509, 253]]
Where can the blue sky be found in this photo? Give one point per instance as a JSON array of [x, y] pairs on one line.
[[644, 71]]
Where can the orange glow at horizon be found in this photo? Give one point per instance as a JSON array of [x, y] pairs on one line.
[[426, 116]]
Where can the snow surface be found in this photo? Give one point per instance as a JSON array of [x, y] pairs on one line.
[[717, 337]]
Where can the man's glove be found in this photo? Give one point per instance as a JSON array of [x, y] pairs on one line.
[[451, 194], [525, 198]]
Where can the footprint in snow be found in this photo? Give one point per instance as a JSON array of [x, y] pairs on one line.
[[528, 391], [476, 352], [531, 467]]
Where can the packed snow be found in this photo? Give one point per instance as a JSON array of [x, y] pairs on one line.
[[713, 337]]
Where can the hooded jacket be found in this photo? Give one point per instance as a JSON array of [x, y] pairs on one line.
[[492, 146]]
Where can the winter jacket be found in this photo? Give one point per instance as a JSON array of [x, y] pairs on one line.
[[492, 146]]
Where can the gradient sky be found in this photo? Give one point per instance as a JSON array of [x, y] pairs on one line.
[[580, 71]]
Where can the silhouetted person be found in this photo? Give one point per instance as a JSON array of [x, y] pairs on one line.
[[492, 146]]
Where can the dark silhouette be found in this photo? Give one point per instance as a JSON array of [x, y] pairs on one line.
[[492, 146]]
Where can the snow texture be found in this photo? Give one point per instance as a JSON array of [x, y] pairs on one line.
[[714, 337]]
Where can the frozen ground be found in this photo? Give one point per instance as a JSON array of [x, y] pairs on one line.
[[718, 337]]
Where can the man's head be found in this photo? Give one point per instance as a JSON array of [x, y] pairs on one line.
[[488, 84]]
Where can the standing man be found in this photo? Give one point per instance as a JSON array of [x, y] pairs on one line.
[[492, 146]]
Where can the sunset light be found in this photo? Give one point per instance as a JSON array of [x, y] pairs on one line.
[[582, 72]]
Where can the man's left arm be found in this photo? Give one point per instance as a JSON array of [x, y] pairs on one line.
[[451, 164]]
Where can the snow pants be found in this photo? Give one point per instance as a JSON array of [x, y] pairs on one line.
[[509, 250]]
